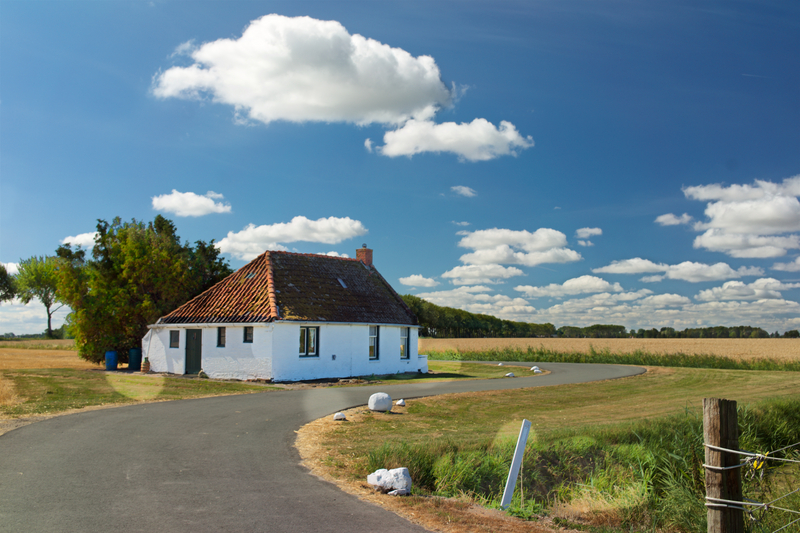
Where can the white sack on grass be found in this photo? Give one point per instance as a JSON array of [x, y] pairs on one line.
[[380, 401], [387, 481]]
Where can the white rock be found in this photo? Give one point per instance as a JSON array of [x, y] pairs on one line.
[[380, 401], [339, 416], [399, 492], [510, 375], [499, 364], [401, 402], [397, 479], [534, 368], [537, 371]]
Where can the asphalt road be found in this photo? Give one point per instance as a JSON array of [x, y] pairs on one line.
[[213, 464]]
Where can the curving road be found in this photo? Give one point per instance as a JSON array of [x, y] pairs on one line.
[[213, 464]]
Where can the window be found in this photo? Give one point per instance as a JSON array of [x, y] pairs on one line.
[[221, 337], [404, 353], [309, 341], [373, 342], [248, 334], [174, 339]]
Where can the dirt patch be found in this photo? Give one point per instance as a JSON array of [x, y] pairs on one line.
[[450, 515], [23, 358]]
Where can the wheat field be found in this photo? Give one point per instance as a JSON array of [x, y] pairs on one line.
[[744, 349]]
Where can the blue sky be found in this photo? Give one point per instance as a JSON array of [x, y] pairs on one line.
[[634, 163]]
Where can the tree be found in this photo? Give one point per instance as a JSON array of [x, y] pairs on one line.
[[137, 273], [7, 290], [37, 278]]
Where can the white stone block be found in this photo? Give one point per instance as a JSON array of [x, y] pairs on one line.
[[499, 364], [380, 401], [537, 371], [401, 402], [339, 416], [510, 375], [534, 368], [397, 479]]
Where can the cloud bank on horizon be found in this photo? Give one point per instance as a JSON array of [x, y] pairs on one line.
[[300, 69]]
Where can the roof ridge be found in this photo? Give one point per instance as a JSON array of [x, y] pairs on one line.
[[273, 301], [309, 255]]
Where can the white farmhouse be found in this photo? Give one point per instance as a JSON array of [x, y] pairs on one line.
[[290, 317]]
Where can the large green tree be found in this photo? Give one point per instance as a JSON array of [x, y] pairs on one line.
[[137, 273], [37, 278], [7, 290]]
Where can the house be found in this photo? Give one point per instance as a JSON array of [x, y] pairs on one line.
[[290, 317]]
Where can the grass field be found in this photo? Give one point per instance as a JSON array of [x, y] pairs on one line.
[[584, 447], [740, 349]]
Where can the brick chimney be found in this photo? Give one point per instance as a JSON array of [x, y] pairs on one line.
[[364, 255]]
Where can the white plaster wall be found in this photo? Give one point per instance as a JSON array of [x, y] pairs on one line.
[[238, 359], [350, 345], [155, 346]]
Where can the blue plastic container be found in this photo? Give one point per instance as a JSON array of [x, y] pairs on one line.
[[111, 360], [135, 359]]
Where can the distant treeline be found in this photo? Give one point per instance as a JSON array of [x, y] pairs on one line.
[[447, 322]]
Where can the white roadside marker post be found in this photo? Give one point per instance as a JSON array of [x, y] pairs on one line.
[[513, 473]]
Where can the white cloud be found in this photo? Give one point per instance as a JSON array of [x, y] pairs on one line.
[[189, 204], [581, 285], [460, 223], [254, 240], [671, 220], [637, 265], [463, 191], [585, 233], [505, 246], [793, 266], [84, 240], [472, 274], [754, 221], [12, 269], [686, 271], [586, 243], [301, 69], [479, 140], [418, 280], [475, 300], [368, 145], [336, 254], [764, 288], [19, 318]]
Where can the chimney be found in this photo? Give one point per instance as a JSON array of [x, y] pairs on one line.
[[364, 255]]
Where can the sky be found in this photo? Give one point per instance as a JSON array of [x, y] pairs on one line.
[[570, 162]]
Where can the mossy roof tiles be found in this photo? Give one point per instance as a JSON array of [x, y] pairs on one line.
[[302, 287]]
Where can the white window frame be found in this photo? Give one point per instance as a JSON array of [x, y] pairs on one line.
[[405, 345]]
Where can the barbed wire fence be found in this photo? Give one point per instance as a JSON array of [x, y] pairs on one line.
[[724, 500]]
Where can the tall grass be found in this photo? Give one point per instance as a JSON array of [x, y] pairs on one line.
[[638, 357], [639, 476]]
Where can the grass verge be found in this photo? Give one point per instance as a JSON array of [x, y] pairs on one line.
[[49, 391], [621, 455], [638, 357], [452, 371]]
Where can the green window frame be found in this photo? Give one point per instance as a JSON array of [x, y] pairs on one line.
[[374, 343], [248, 334], [174, 338], [404, 346], [309, 341], [221, 335]]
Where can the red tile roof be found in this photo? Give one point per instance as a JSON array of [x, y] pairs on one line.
[[304, 287]]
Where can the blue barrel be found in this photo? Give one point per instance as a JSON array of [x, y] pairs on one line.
[[111, 360], [135, 359]]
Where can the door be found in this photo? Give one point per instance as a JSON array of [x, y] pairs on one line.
[[194, 348]]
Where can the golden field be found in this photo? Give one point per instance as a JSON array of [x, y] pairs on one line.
[[778, 349]]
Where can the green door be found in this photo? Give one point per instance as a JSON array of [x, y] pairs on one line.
[[194, 348]]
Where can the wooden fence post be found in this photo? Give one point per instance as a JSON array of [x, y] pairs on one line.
[[721, 428]]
